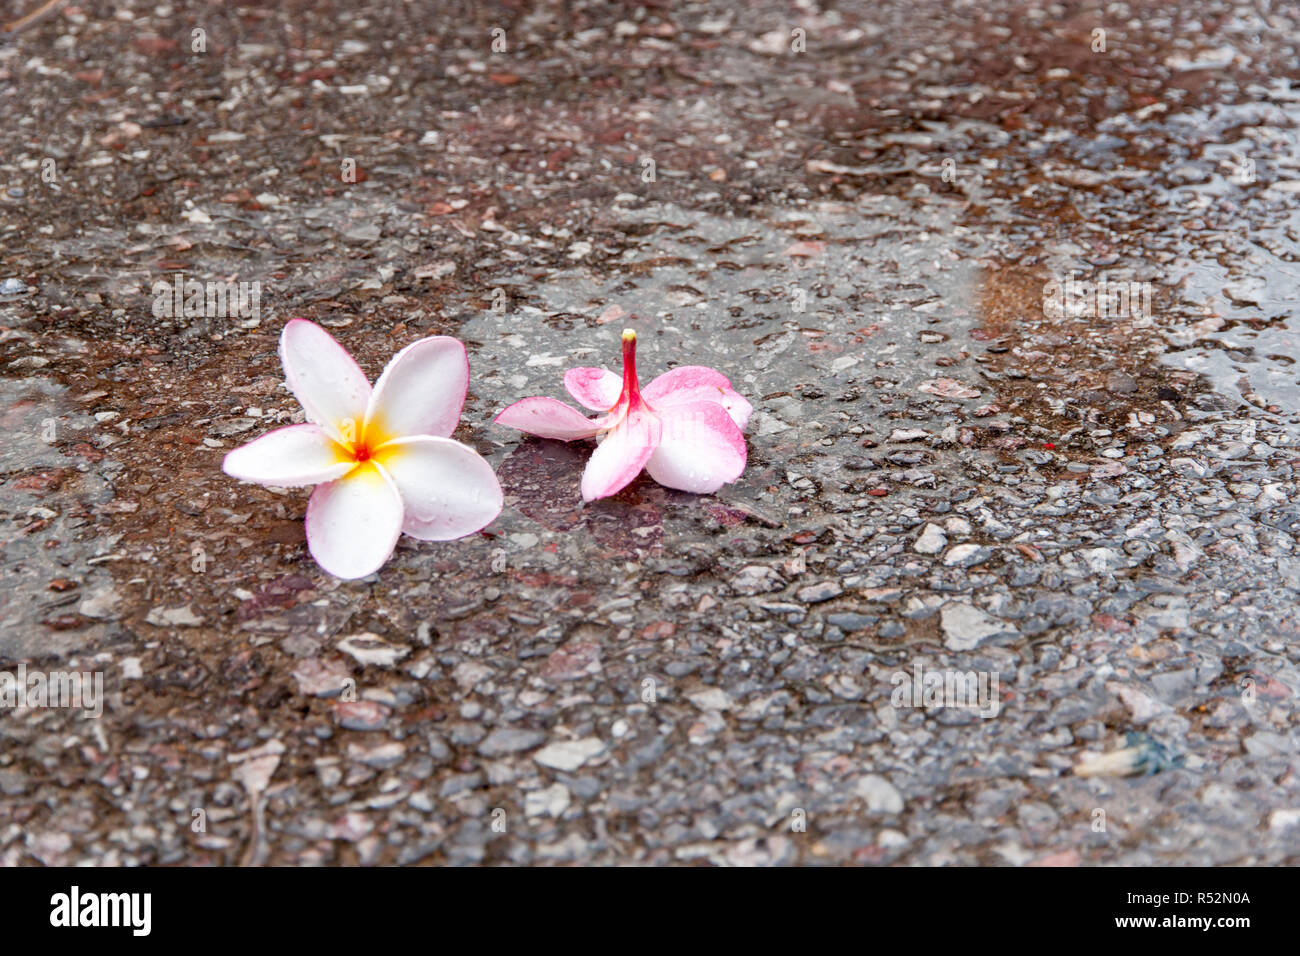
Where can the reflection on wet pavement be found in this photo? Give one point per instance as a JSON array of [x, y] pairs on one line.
[[947, 471]]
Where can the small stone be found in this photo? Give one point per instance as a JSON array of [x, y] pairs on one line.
[[551, 802], [569, 755], [859, 463], [1266, 743], [13, 783], [439, 269], [821, 591], [229, 427], [711, 698], [381, 757], [850, 621], [509, 740], [573, 661], [1283, 819], [892, 839], [371, 649], [966, 626], [881, 795], [756, 579], [772, 43], [771, 850], [470, 673], [966, 556], [49, 848], [361, 714], [1229, 450], [1141, 705], [317, 678], [182, 616], [1185, 552], [1121, 383], [957, 525], [351, 827], [1101, 560], [101, 604], [931, 540]]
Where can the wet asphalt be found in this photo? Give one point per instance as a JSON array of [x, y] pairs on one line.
[[880, 220]]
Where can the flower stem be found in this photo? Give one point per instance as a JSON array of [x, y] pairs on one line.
[[631, 386]]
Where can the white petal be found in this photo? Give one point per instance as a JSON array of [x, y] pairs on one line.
[[422, 391], [447, 489], [288, 457], [701, 449], [353, 524], [321, 374]]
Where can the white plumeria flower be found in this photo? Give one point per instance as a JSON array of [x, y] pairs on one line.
[[381, 458]]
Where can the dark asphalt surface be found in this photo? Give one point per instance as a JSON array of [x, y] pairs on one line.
[[855, 211]]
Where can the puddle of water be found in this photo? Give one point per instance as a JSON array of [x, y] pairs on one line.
[[1242, 290], [46, 498]]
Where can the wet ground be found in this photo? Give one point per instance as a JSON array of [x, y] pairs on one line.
[[853, 211]]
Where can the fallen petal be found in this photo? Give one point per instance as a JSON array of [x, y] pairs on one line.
[[422, 391], [288, 457], [701, 448], [806, 249], [948, 388], [353, 524], [596, 388], [698, 383], [447, 489], [549, 418], [621, 456], [612, 313], [322, 375]]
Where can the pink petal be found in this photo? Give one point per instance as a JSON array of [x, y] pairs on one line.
[[701, 450], [422, 391], [698, 383], [621, 456], [288, 457], [549, 418], [447, 489], [353, 524], [596, 388], [321, 374], [805, 249]]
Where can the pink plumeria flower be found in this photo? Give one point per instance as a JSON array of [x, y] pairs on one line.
[[685, 429], [381, 459]]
